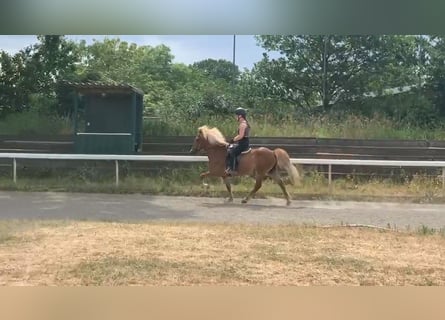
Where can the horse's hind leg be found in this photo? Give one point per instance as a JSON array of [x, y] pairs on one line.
[[229, 188], [258, 184], [275, 175]]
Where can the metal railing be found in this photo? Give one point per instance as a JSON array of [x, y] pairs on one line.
[[170, 158]]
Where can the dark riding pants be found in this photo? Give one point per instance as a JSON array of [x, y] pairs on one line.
[[234, 152]]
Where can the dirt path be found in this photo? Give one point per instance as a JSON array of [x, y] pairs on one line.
[[130, 207]]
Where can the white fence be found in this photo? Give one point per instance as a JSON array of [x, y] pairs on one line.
[[168, 158]]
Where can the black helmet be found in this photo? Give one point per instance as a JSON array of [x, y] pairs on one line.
[[240, 112]]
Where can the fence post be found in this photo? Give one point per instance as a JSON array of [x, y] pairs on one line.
[[443, 178], [330, 177], [14, 170], [117, 172]]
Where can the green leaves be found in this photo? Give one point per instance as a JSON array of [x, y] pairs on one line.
[[326, 69], [218, 69], [145, 67], [333, 71], [35, 70]]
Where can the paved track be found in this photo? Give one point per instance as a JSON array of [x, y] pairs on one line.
[[131, 207]]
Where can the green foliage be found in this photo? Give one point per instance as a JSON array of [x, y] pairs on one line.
[[409, 110], [426, 231], [32, 122], [35, 71], [334, 68], [218, 69], [328, 85], [436, 71], [145, 67], [13, 90]]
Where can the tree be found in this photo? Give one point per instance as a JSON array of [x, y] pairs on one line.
[[145, 67], [436, 72], [332, 68], [218, 69], [12, 95], [29, 78], [50, 60]]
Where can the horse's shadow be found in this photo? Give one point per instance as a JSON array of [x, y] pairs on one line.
[[255, 206]]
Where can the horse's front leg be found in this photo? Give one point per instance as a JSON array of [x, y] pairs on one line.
[[203, 176], [229, 188]]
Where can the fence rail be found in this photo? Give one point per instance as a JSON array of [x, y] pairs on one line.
[[297, 147], [172, 158]]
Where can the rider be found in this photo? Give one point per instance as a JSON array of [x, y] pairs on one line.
[[240, 141]]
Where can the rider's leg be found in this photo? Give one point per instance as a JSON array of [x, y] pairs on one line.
[[235, 153], [229, 159]]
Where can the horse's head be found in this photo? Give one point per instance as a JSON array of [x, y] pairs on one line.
[[208, 138], [199, 143]]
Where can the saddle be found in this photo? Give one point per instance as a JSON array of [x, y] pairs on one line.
[[241, 154], [245, 152], [237, 159]]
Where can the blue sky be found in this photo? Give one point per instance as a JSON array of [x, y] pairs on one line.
[[186, 48]]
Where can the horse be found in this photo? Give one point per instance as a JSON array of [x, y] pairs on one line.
[[259, 163]]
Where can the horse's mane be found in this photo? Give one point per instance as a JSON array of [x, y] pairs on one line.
[[212, 135]]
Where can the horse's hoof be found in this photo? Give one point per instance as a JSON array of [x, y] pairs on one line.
[[288, 203], [229, 200], [244, 201]]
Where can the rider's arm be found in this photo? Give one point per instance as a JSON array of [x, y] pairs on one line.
[[242, 130]]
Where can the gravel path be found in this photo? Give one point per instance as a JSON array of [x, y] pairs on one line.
[[131, 207]]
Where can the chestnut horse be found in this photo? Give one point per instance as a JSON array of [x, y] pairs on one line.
[[256, 162]]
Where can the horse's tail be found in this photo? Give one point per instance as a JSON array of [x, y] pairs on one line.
[[283, 163]]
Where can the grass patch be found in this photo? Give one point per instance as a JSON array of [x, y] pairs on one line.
[[428, 231], [115, 254], [343, 262], [185, 181], [114, 271], [13, 232], [5, 237]]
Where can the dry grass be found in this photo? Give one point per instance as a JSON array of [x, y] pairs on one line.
[[98, 253]]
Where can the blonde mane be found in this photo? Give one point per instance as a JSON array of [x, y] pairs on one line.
[[213, 136]]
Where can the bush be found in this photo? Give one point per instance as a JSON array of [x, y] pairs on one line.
[[33, 122]]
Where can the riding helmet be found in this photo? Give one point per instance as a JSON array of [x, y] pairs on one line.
[[241, 112]]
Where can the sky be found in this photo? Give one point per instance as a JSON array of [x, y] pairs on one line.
[[186, 48]]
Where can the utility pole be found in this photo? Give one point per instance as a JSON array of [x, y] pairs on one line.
[[324, 55], [233, 61], [234, 41]]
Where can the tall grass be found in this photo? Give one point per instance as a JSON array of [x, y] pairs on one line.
[[32, 122], [349, 127]]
